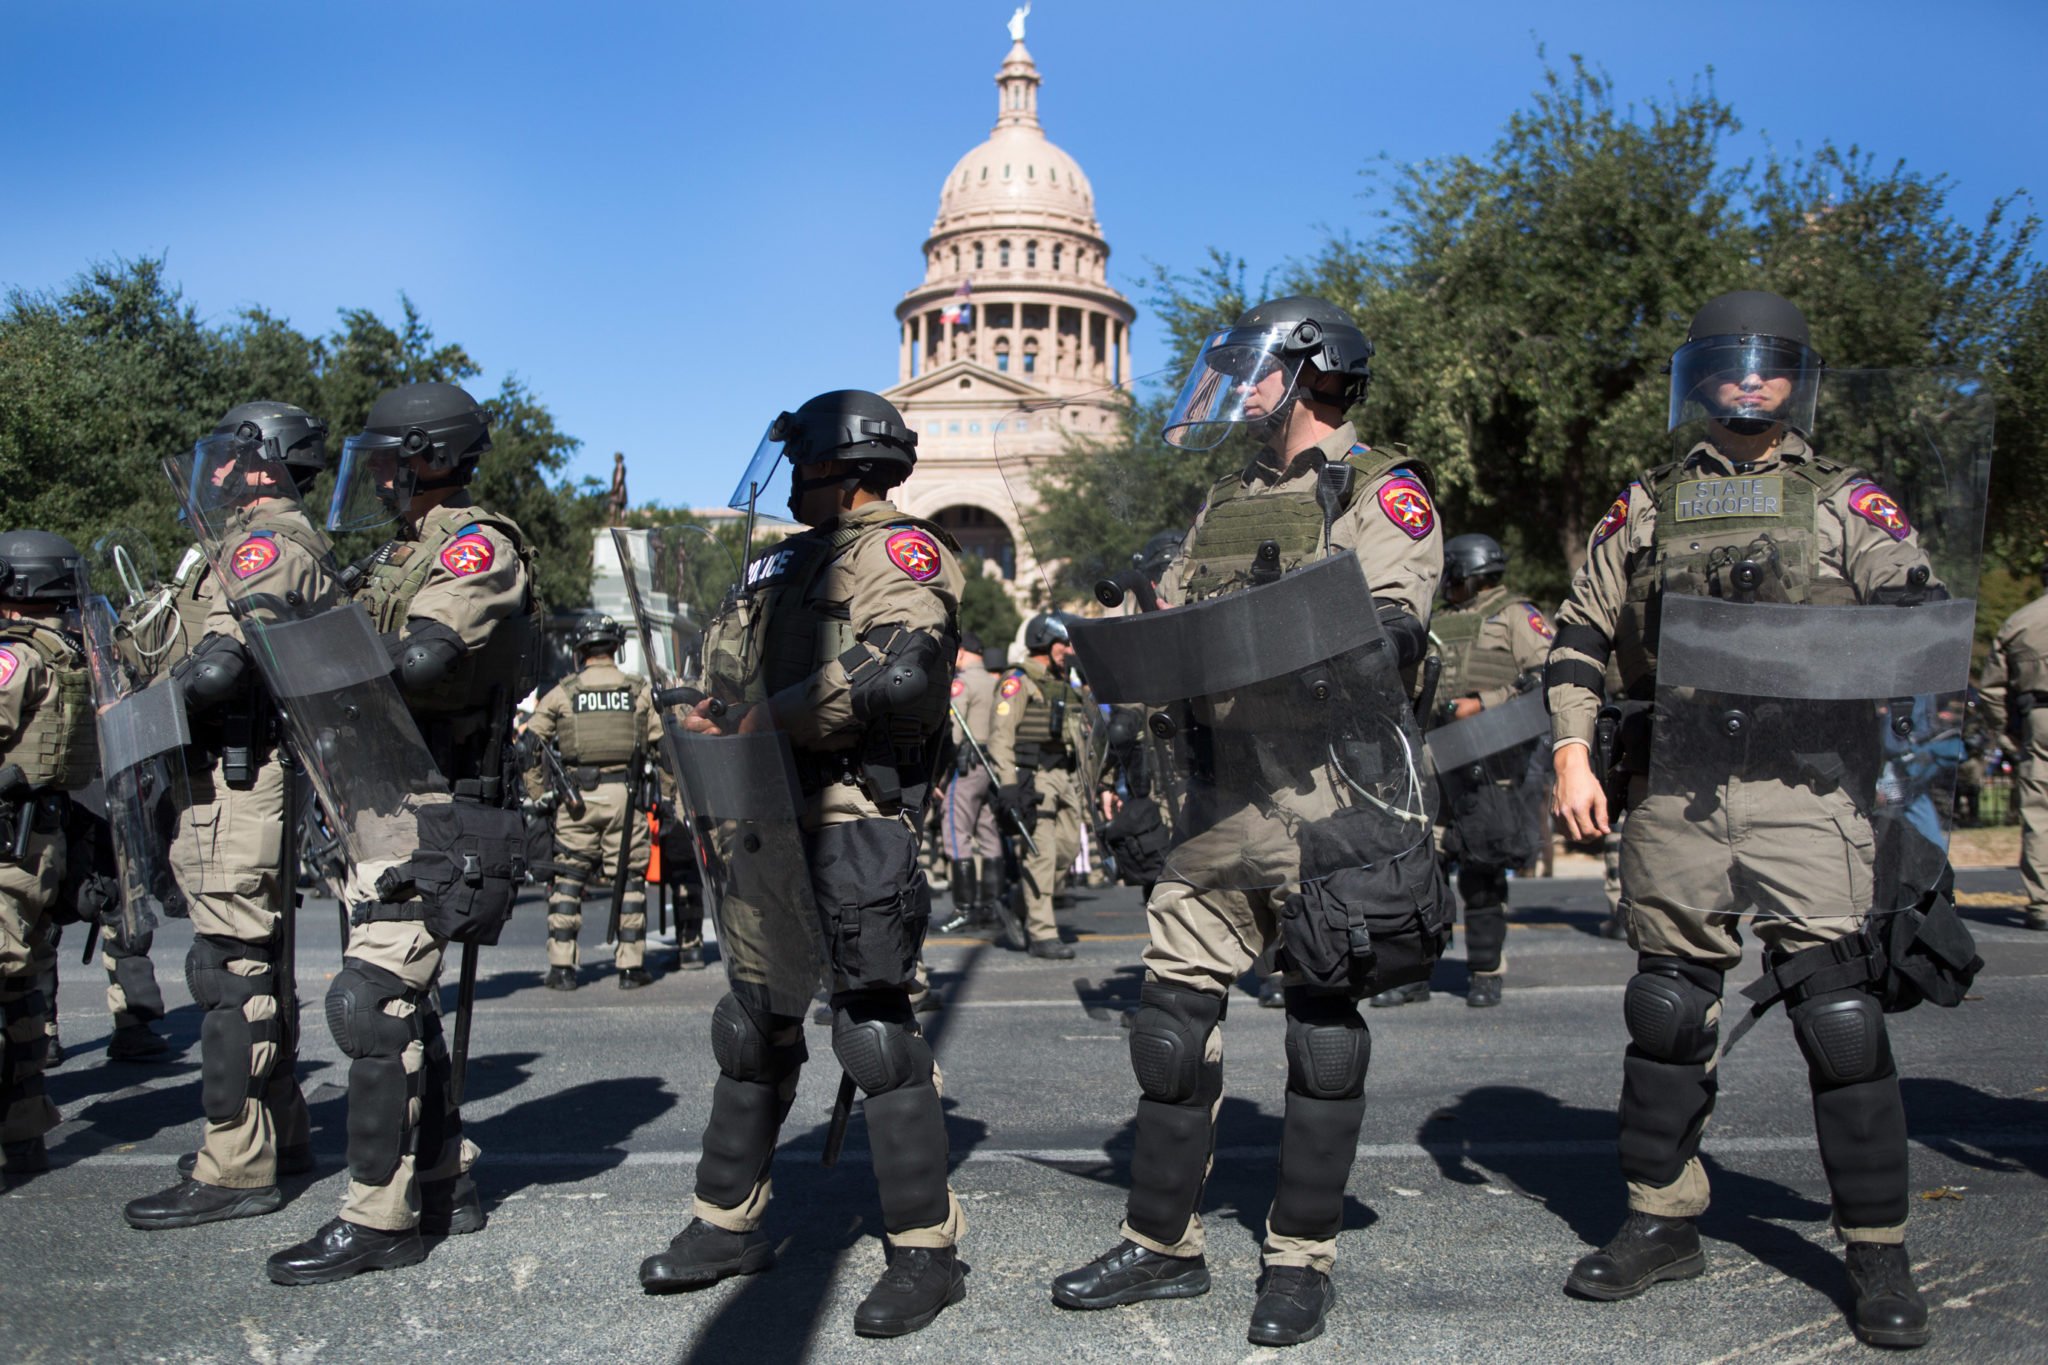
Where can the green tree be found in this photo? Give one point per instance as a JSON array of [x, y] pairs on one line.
[[985, 608]]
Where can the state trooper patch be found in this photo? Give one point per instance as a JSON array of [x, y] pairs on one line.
[[1407, 505], [9, 664], [1879, 508], [1537, 623], [915, 554], [253, 556], [1012, 685], [959, 687], [1616, 518], [469, 554]]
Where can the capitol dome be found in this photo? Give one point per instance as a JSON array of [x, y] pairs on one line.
[[1018, 173]]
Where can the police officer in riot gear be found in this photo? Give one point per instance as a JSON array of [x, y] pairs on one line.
[[1312, 511], [1755, 797], [971, 834], [604, 724], [1493, 645], [842, 640], [1039, 738], [47, 751], [452, 594], [232, 851]]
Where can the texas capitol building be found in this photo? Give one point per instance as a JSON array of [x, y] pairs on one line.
[[1042, 352]]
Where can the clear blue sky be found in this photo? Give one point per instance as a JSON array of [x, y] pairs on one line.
[[674, 220]]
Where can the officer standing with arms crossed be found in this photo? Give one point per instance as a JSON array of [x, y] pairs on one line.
[[1494, 648], [841, 642], [1294, 771], [973, 842], [2014, 693], [1756, 804], [603, 721], [230, 848], [1036, 750], [452, 595], [47, 750]]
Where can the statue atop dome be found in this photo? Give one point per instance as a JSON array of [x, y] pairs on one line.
[[1017, 18]]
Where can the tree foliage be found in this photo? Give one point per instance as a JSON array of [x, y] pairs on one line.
[[1523, 304], [101, 380]]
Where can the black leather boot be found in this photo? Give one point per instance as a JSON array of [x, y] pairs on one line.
[[1293, 1302], [633, 978], [966, 894], [1889, 1309], [1646, 1250], [703, 1254], [1484, 992], [562, 979], [1129, 1273], [1414, 993], [917, 1283], [341, 1249], [190, 1202], [450, 1208]]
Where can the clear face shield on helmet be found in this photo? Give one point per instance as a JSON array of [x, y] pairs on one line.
[[1241, 376], [1746, 382], [372, 486], [222, 475]]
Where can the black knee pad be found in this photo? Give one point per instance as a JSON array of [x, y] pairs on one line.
[[751, 1047], [1328, 1046], [1843, 1036], [629, 934], [1168, 1035], [1667, 1005], [563, 933], [877, 1043], [379, 1093], [1486, 933], [355, 1012]]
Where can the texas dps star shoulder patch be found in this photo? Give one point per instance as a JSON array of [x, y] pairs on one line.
[[915, 554], [1616, 518], [1537, 623], [1012, 685], [1407, 505], [1880, 509], [959, 687], [469, 553], [253, 556], [9, 666]]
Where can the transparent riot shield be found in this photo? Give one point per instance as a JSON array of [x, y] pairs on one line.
[[737, 790], [1808, 749], [1489, 770], [124, 568], [327, 669], [142, 733], [1293, 752]]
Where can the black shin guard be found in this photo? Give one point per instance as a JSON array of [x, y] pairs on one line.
[[1318, 1143], [1859, 1117], [1664, 1106], [1168, 1167], [739, 1138], [907, 1134]]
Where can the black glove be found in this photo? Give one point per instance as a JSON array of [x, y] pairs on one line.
[[665, 811], [1018, 802]]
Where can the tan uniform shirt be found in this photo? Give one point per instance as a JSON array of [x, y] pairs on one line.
[[1398, 539], [2018, 661], [1014, 702], [875, 590], [469, 601], [258, 563], [597, 676], [25, 685], [1853, 549], [974, 698], [1515, 627]]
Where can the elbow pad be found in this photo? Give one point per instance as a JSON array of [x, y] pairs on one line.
[[897, 681], [427, 654], [212, 673], [1410, 636]]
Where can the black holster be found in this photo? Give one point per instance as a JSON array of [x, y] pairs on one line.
[[463, 877]]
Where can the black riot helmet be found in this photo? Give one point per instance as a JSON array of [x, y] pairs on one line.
[[39, 566], [853, 425], [1747, 363], [419, 436], [1044, 630], [1252, 371], [284, 434], [1473, 556], [597, 631]]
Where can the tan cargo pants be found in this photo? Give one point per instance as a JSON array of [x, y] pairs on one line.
[[1057, 831], [590, 846], [28, 890]]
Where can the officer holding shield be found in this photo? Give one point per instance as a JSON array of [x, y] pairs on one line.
[[1778, 623], [830, 671], [1281, 676], [1037, 744], [232, 844]]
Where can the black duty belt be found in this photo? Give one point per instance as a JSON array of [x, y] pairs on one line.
[[816, 770], [590, 777]]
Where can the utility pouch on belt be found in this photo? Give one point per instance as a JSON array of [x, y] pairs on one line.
[[17, 816], [872, 900], [1362, 930], [1138, 840], [465, 872]]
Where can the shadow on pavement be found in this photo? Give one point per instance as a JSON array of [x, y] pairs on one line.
[[1989, 1118], [593, 1120]]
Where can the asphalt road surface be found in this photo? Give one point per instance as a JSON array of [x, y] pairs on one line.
[[1486, 1166]]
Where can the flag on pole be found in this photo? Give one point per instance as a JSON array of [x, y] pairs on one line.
[[959, 313]]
